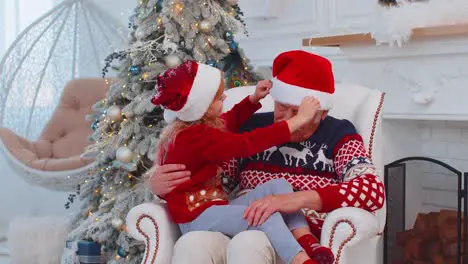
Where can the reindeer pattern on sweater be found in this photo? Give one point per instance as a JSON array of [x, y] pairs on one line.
[[306, 155], [333, 161]]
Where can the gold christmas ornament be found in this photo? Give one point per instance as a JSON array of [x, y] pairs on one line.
[[205, 26], [114, 113]]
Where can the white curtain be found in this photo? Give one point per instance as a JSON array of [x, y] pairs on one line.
[[16, 15]]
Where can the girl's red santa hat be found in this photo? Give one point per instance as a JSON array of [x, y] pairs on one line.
[[187, 91], [298, 74]]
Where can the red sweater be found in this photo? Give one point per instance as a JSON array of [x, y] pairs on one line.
[[202, 149]]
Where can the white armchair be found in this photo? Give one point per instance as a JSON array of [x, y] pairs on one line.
[[353, 234]]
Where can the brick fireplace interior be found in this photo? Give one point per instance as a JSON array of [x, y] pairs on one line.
[[426, 231]]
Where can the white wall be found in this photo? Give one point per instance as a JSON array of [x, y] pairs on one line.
[[2, 27], [447, 141], [276, 25]]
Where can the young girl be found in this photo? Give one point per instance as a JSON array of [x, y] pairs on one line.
[[201, 137]]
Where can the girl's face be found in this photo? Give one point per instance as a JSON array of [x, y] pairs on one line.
[[216, 107]]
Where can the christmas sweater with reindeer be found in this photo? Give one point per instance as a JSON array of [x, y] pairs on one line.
[[333, 161]]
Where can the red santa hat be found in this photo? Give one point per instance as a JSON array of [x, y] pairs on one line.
[[298, 74], [187, 91]]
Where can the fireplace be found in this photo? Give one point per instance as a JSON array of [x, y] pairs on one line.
[[424, 113], [425, 116], [425, 220]]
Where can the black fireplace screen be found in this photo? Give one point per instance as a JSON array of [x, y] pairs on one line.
[[426, 211]]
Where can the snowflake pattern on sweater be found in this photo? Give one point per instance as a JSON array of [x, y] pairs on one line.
[[333, 161]]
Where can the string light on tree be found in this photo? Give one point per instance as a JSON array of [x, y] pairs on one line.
[[178, 8], [88, 211]]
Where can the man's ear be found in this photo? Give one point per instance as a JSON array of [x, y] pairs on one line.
[[324, 114]]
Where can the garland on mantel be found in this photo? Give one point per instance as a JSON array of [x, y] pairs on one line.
[[394, 25], [388, 2]]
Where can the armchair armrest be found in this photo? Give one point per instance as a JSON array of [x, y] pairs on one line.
[[150, 222], [347, 227]]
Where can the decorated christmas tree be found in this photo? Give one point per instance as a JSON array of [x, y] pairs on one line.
[[163, 33]]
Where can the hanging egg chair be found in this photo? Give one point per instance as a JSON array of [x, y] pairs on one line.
[[48, 84]]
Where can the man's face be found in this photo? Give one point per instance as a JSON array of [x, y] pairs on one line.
[[285, 112]]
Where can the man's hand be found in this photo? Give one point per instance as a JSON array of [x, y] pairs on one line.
[[262, 90], [167, 177], [259, 211]]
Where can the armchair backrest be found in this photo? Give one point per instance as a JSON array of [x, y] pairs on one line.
[[360, 105]]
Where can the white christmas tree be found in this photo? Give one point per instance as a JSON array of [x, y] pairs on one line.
[[164, 33]]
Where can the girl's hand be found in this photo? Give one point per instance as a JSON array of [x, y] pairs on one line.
[[309, 108], [262, 90]]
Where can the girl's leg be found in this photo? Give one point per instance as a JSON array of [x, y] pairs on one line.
[[277, 186], [296, 222], [228, 220]]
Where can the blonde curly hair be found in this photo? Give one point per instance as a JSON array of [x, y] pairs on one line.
[[170, 132]]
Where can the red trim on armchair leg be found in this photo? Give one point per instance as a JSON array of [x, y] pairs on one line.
[[344, 242], [374, 123], [147, 244]]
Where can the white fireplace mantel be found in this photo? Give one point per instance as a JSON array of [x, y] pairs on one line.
[[426, 78]]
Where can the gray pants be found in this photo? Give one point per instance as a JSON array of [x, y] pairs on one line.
[[228, 219]]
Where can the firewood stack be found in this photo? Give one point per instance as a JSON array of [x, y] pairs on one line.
[[433, 239]]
